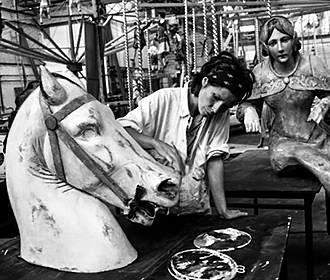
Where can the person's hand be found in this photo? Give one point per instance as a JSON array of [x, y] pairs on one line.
[[318, 112], [251, 120], [233, 214], [167, 155]]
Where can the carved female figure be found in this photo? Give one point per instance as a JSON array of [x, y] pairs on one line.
[[288, 82]]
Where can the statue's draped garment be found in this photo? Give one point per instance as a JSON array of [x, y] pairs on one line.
[[292, 139]]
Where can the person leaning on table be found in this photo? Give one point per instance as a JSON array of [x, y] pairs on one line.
[[188, 128]]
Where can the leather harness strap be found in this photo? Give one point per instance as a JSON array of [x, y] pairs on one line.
[[72, 106], [91, 164], [55, 148], [55, 130]]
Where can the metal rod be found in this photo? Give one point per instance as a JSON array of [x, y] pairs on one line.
[[28, 50], [19, 52], [264, 9], [119, 37], [33, 40], [1, 97], [302, 34], [79, 36], [46, 35], [14, 11], [71, 39], [231, 3]]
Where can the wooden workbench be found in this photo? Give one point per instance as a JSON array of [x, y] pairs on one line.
[[250, 175], [262, 258]]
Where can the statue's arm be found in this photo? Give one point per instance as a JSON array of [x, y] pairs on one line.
[[249, 113], [248, 105]]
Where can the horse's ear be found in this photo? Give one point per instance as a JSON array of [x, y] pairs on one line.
[[52, 90]]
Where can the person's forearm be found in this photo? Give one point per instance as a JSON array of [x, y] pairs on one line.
[[162, 152], [144, 141], [215, 173]]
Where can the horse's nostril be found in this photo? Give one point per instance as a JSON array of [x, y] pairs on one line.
[[168, 188]]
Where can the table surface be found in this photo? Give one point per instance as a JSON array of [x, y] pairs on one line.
[[251, 172], [262, 258]]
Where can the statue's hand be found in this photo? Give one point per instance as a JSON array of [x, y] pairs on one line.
[[251, 120], [318, 112]]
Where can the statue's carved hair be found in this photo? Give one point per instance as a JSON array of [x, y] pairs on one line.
[[283, 25], [225, 70]]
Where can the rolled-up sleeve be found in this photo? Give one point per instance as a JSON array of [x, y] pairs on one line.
[[139, 118], [218, 136]]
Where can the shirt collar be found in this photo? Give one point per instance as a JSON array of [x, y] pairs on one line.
[[184, 101]]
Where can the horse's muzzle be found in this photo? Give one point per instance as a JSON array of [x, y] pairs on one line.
[[144, 213]]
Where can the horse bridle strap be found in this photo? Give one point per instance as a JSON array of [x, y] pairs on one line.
[[55, 130]]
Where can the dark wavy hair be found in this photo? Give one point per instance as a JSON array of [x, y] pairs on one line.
[[283, 25], [225, 70]]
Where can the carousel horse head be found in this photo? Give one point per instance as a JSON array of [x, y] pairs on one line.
[[67, 161]]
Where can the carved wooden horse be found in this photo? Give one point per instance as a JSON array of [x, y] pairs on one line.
[[67, 158]]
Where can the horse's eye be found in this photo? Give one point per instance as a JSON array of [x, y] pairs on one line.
[[89, 131]]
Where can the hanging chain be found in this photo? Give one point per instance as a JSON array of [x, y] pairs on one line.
[[148, 54], [187, 40], [221, 33], [269, 8], [214, 29], [128, 74], [139, 51], [194, 42], [256, 28], [206, 50]]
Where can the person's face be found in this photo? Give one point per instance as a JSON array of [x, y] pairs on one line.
[[280, 46], [214, 99]]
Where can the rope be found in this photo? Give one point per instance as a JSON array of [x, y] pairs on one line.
[[187, 38], [206, 51], [139, 52], [148, 54], [128, 74], [214, 29], [194, 41], [256, 28]]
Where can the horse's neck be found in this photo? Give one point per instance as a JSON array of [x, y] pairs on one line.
[[66, 229], [60, 227]]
